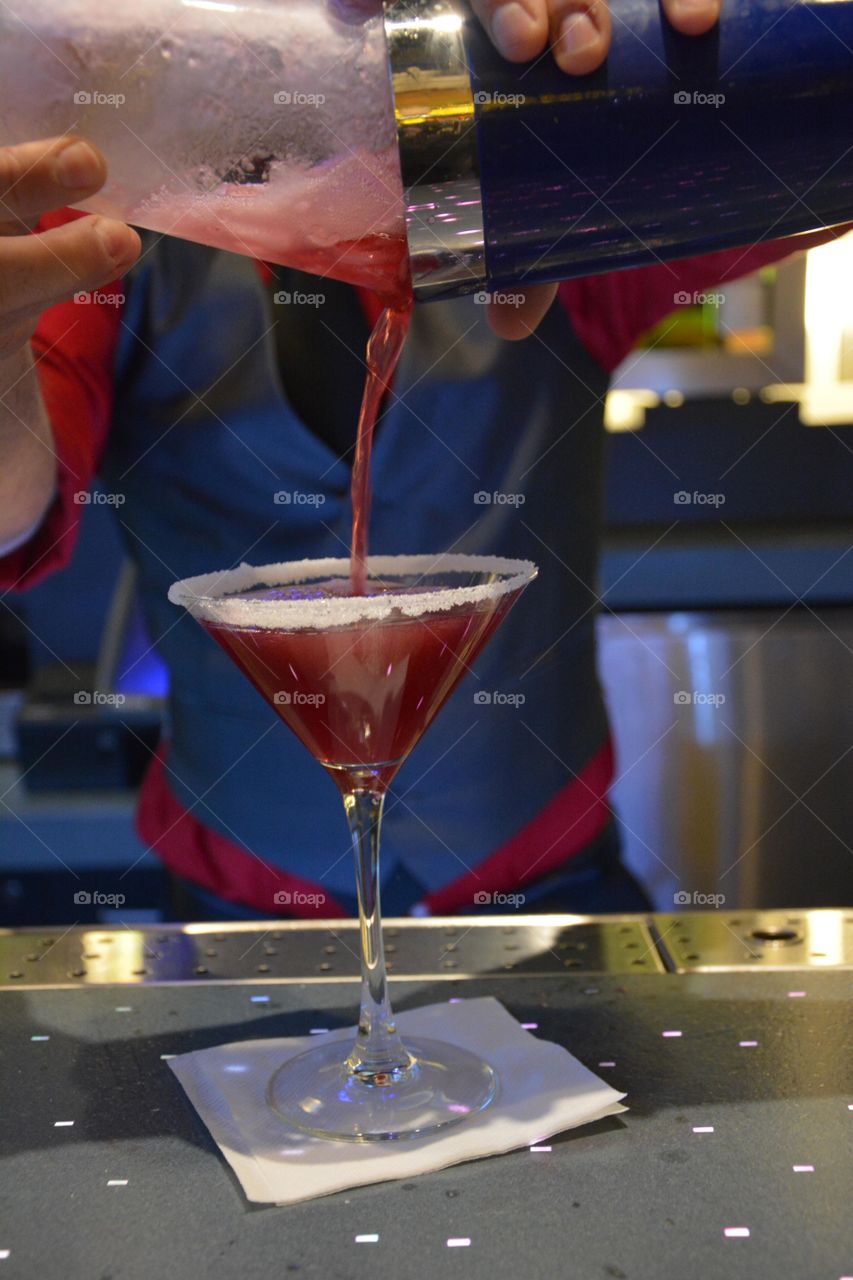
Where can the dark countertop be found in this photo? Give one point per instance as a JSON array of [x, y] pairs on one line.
[[641, 1196]]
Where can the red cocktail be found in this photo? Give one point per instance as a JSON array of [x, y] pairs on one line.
[[359, 696], [358, 678]]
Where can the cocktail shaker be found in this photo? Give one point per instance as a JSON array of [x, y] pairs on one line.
[[261, 126], [677, 146], [335, 137]]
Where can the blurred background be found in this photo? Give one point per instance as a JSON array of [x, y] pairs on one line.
[[726, 631]]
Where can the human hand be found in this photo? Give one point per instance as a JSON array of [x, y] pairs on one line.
[[38, 271]]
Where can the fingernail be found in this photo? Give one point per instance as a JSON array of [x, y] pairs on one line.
[[578, 33], [114, 238], [512, 28], [696, 6], [77, 167]]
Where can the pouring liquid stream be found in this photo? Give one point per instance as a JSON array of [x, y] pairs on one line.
[[384, 348], [383, 352]]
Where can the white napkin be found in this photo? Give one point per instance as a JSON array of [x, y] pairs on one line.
[[543, 1090]]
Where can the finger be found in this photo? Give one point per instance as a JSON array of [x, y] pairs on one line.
[[692, 17], [521, 313], [580, 34], [518, 28], [38, 271], [37, 177]]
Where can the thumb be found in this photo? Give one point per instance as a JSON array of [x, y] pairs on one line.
[[518, 315], [37, 271]]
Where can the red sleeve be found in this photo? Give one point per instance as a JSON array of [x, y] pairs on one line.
[[610, 312], [74, 348]]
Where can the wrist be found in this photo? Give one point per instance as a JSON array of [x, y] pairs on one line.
[[8, 545], [28, 466]]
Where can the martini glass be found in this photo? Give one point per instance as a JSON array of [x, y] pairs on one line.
[[358, 679]]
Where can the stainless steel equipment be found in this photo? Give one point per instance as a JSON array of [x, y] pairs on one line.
[[438, 950], [733, 733]]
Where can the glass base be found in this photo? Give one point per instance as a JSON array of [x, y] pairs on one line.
[[444, 1085]]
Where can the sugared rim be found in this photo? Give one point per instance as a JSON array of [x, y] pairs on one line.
[[209, 596]]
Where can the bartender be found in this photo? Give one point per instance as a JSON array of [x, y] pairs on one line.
[[188, 391]]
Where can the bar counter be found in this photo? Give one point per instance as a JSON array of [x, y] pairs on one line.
[[731, 1034]]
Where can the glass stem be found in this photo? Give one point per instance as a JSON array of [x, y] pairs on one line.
[[378, 1056]]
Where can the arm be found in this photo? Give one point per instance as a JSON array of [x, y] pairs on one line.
[[28, 471], [74, 349], [36, 272], [610, 312]]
